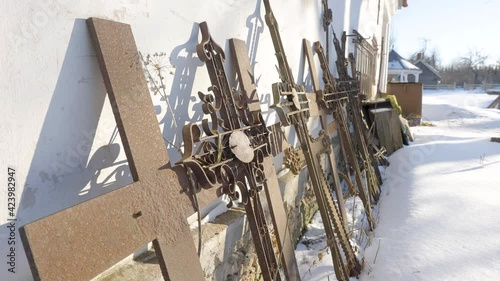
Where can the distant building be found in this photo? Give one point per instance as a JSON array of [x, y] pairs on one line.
[[429, 76], [401, 70]]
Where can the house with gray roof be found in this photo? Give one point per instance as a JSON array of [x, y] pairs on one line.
[[401, 70], [429, 76]]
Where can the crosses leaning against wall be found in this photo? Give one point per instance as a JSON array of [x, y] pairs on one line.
[[232, 152], [82, 241], [351, 86], [335, 100], [367, 150], [292, 106]]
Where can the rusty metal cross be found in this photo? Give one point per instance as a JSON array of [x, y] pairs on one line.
[[232, 152], [334, 97], [84, 240], [293, 108]]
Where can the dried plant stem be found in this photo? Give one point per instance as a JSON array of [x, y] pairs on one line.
[[161, 90], [376, 254]]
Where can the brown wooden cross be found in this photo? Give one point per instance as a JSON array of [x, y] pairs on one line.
[[80, 242]]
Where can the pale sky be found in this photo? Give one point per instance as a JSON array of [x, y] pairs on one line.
[[451, 26]]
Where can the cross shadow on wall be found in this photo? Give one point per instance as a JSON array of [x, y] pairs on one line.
[[181, 98], [62, 165], [256, 25]]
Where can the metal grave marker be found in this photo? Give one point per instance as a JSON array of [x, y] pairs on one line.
[[232, 152], [292, 106], [82, 241], [336, 99]]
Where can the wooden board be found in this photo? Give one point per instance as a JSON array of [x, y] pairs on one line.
[[495, 103], [388, 128], [409, 96]]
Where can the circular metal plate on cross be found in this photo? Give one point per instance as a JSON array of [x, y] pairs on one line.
[[240, 146]]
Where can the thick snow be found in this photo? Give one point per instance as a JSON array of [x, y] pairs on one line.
[[313, 255], [439, 213]]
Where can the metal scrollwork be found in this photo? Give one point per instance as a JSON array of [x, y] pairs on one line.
[[219, 150], [228, 152]]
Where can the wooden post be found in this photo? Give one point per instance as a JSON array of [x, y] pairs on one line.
[[388, 128]]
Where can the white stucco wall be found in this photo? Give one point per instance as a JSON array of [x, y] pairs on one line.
[[58, 128], [371, 21]]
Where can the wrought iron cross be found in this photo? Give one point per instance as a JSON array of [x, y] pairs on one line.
[[366, 150], [232, 152], [292, 106], [335, 98], [84, 240], [351, 87]]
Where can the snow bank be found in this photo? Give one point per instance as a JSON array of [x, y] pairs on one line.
[[438, 213]]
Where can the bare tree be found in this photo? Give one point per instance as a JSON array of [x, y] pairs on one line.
[[473, 61], [461, 70], [434, 59], [430, 56], [421, 51]]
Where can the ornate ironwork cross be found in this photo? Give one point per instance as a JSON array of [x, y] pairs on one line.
[[84, 240], [231, 151], [367, 150], [292, 106], [334, 99], [351, 86]]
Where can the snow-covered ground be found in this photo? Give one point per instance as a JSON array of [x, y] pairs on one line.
[[439, 213]]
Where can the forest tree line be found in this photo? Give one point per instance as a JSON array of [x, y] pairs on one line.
[[471, 68]]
